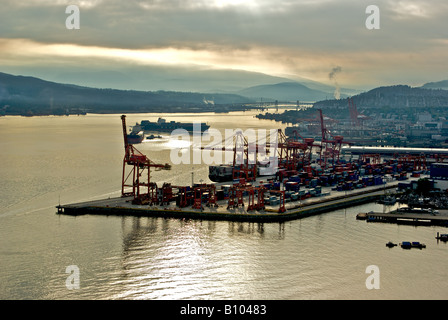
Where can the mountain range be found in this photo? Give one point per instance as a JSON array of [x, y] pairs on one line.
[[167, 78], [30, 95], [20, 95], [255, 85], [285, 91]]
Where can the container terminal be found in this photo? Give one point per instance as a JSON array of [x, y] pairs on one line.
[[300, 187]]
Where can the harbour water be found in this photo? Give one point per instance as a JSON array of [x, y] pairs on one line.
[[50, 160]]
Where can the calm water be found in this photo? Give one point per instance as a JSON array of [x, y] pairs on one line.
[[51, 160]]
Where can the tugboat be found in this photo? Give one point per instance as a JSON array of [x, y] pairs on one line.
[[151, 137], [390, 244]]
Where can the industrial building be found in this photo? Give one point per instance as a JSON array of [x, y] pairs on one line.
[[439, 174]]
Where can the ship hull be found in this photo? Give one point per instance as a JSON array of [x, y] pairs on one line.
[[135, 138], [224, 173], [163, 126]]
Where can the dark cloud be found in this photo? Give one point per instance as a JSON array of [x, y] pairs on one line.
[[139, 24], [320, 25], [286, 32]]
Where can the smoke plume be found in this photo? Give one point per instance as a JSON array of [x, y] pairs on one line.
[[332, 76]]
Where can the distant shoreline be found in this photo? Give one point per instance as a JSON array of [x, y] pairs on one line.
[[45, 114]]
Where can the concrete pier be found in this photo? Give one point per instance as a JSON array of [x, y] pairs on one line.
[[439, 219], [333, 200]]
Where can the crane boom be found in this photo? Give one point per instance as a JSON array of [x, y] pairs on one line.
[[138, 163], [127, 146], [125, 134]]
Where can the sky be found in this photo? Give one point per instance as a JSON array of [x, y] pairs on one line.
[[321, 40]]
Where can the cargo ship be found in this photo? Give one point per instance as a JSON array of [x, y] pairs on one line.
[[135, 137], [167, 126], [220, 173], [224, 172]]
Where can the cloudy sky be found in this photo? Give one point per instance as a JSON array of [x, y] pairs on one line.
[[286, 38]]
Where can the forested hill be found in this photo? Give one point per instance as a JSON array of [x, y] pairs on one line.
[[20, 95], [436, 85], [399, 96]]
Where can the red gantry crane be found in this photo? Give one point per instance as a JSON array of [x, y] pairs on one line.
[[414, 162], [306, 146], [291, 152], [356, 118], [242, 168], [331, 145], [139, 167], [245, 155]]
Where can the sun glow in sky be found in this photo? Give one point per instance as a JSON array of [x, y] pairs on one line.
[[294, 39]]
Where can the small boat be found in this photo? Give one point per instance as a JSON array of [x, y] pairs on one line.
[[413, 244], [416, 244], [442, 237], [390, 244], [150, 137], [361, 216], [388, 200], [418, 210]]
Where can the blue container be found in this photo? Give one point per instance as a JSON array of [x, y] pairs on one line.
[[406, 244], [292, 186], [294, 178]]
